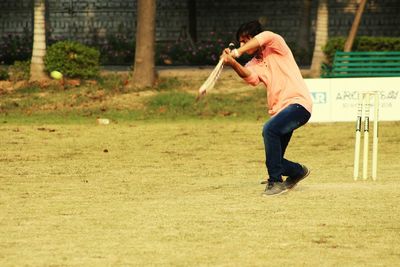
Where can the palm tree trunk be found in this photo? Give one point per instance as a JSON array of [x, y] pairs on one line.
[[321, 37], [37, 72], [144, 73]]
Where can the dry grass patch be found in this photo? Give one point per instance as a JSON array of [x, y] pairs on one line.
[[188, 194]]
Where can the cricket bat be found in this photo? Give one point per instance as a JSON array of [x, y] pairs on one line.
[[208, 85]]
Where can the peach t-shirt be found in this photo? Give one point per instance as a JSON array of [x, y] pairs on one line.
[[278, 70]]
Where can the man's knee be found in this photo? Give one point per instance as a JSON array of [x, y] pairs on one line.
[[269, 130]]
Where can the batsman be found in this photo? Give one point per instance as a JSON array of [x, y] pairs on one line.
[[288, 99]]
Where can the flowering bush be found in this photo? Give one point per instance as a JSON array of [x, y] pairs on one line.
[[185, 52], [119, 49]]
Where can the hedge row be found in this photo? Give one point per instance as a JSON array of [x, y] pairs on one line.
[[77, 60], [362, 43]]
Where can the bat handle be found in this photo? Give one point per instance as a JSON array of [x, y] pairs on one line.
[[231, 46]]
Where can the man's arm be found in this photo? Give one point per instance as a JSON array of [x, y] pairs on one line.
[[250, 45], [229, 60]]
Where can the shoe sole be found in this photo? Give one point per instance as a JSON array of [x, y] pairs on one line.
[[277, 194], [308, 173], [302, 178]]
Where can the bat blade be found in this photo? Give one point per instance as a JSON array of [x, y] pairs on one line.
[[212, 78]]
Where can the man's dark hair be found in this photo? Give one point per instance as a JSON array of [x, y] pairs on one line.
[[251, 29]]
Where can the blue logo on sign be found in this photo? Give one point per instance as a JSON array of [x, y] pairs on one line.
[[319, 97]]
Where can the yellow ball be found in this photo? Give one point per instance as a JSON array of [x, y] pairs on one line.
[[56, 75]]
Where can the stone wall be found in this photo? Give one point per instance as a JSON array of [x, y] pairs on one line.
[[15, 17], [87, 20], [380, 18]]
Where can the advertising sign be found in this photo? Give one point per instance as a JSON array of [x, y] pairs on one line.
[[336, 99]]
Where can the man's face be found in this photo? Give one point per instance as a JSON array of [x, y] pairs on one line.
[[243, 40]]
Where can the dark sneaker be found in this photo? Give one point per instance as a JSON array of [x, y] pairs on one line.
[[291, 182], [273, 189]]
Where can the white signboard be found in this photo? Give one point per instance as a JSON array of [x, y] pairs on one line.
[[336, 99]]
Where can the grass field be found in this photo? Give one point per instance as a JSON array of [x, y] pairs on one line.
[[188, 194]]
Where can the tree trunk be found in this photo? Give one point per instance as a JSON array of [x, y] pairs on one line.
[[354, 27], [37, 72], [321, 37], [144, 73]]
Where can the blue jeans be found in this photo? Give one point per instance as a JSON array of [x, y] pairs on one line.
[[277, 132]]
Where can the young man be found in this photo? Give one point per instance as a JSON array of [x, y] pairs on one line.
[[289, 100]]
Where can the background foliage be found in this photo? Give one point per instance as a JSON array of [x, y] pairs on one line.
[[73, 59], [362, 43], [119, 49]]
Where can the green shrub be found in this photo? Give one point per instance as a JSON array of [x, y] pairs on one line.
[[20, 70], [73, 60], [362, 43], [378, 44], [334, 44], [4, 74]]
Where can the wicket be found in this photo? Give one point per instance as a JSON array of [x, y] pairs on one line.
[[363, 110]]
